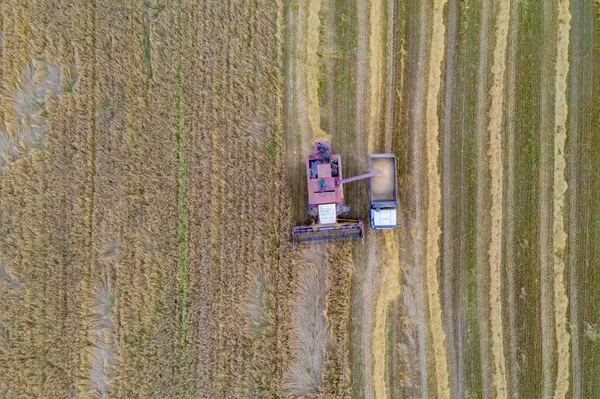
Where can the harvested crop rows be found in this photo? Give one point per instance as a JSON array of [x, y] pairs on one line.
[[152, 165]]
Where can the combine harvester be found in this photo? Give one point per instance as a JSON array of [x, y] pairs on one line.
[[326, 196]]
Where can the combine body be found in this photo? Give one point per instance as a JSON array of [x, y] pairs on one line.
[[326, 199], [326, 203], [383, 191]]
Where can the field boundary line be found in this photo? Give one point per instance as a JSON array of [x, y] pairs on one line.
[[559, 236], [433, 231]]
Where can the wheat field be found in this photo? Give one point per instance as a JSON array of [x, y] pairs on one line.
[[152, 167]]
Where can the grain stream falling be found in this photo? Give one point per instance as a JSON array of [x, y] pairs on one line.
[[434, 201], [496, 170], [559, 242]]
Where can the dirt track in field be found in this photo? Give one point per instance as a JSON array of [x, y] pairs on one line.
[[561, 301], [389, 290], [510, 200], [496, 187], [433, 231], [416, 307], [545, 237], [450, 200], [369, 260], [483, 198]]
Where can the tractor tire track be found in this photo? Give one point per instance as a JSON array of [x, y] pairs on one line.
[[300, 59], [389, 270], [433, 231], [574, 222], [589, 95], [304, 118], [367, 314], [313, 33], [496, 172], [363, 125], [295, 141], [559, 242], [391, 85], [389, 290], [513, 377], [375, 72], [546, 127], [414, 298], [362, 69], [329, 50], [482, 243], [450, 193], [307, 86], [302, 113]]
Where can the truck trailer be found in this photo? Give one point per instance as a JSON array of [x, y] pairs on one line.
[[383, 191]]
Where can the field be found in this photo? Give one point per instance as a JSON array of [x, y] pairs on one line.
[[151, 169]]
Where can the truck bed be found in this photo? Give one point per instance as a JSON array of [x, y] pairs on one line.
[[383, 187]]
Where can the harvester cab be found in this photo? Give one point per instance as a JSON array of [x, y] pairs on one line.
[[326, 203]]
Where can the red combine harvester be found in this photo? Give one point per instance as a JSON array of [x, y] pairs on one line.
[[326, 198]]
